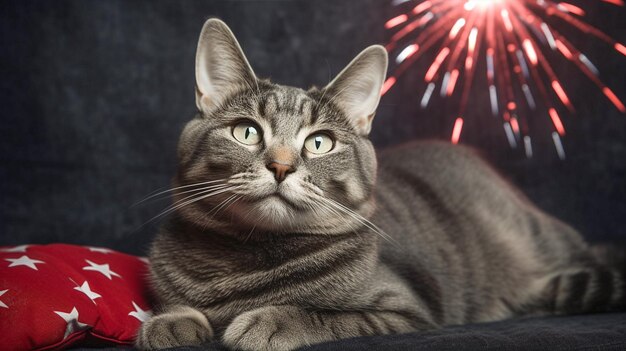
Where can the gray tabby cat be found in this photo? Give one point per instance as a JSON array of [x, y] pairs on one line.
[[272, 244]]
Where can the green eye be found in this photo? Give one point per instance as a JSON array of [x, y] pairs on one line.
[[247, 133], [319, 143]]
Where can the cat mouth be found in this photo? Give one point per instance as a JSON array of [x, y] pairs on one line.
[[278, 197], [286, 200]]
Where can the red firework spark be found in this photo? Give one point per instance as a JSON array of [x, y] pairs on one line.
[[511, 35]]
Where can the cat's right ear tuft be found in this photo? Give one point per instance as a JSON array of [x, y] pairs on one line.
[[221, 66]]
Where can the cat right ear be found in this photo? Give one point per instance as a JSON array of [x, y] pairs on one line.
[[221, 66], [356, 89]]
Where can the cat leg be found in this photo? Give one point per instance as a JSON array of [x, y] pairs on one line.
[[289, 327], [177, 326]]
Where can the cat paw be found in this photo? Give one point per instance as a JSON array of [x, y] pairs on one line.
[[265, 329], [182, 326]]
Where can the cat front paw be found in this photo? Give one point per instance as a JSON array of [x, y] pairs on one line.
[[271, 328], [181, 326]]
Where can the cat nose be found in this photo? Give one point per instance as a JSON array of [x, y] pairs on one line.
[[281, 169]]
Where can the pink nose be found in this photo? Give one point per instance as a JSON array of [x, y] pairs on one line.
[[280, 169]]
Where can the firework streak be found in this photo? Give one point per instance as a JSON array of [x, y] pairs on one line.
[[511, 36]]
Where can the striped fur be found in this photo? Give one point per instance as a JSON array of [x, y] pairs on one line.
[[268, 265]]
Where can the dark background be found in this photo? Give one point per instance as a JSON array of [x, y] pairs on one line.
[[93, 95]]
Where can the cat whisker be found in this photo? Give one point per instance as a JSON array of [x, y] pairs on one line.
[[315, 204], [361, 219], [249, 234], [217, 208], [346, 209], [327, 208], [197, 198], [198, 193], [232, 203], [173, 206], [226, 203], [211, 192], [151, 196], [338, 214]]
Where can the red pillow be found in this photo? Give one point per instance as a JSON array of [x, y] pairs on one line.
[[54, 296]]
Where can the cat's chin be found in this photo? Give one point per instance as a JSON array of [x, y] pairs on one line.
[[273, 212]]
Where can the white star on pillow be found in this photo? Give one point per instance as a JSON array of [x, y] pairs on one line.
[[24, 261], [73, 324], [102, 268], [21, 248], [2, 304], [140, 314], [86, 289], [99, 249]]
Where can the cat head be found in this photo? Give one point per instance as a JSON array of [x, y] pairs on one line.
[[273, 157]]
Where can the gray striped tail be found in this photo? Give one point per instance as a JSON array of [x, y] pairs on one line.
[[601, 287]]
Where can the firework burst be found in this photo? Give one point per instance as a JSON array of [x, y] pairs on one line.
[[513, 37]]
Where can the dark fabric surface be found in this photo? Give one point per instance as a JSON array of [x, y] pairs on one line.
[[93, 95], [590, 332]]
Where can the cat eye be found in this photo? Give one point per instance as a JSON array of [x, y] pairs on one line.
[[247, 133], [319, 143]]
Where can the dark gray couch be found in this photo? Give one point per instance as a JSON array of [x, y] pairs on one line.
[[93, 95], [593, 332]]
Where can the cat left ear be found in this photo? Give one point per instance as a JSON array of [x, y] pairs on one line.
[[356, 89], [221, 66]]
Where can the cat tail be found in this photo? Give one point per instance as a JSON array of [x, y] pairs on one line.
[[597, 287], [613, 257]]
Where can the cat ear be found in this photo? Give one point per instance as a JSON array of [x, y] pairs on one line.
[[356, 89], [221, 66]]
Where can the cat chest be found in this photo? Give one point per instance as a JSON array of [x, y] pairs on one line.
[[228, 291]]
